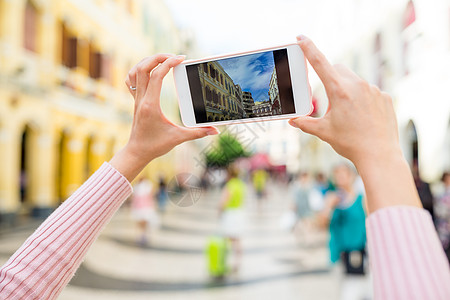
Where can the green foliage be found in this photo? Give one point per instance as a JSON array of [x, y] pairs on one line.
[[227, 149]]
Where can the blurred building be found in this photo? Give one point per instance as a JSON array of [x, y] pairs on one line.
[[406, 52], [277, 139], [64, 108]]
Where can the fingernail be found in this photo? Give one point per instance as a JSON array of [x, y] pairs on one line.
[[301, 37], [180, 57], [212, 132]]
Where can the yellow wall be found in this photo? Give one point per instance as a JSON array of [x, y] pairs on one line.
[[52, 101]]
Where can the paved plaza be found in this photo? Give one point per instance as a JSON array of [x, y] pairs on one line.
[[276, 264]]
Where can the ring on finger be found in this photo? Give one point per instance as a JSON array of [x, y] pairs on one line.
[[133, 88]]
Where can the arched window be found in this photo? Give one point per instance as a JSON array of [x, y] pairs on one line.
[[205, 68], [211, 71]]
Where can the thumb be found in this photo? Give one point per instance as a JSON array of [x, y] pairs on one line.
[[307, 124], [197, 133]]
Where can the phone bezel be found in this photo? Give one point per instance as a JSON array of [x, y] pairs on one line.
[[299, 82]]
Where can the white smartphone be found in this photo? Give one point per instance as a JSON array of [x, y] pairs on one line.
[[258, 85]]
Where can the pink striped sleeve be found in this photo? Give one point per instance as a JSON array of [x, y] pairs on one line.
[[48, 259], [406, 257]]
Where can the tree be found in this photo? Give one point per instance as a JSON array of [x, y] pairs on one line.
[[227, 150]]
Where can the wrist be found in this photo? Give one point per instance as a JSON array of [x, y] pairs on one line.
[[388, 181], [376, 157], [129, 163]]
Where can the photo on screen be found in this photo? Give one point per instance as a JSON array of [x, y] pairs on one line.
[[247, 86]]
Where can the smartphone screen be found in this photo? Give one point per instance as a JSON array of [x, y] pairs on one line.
[[247, 86]]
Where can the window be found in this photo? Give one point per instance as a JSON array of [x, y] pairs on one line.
[[205, 68], [95, 63], [30, 27], [69, 49], [207, 94]]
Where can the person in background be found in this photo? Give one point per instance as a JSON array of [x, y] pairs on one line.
[[345, 214], [317, 196], [143, 209], [260, 178], [443, 215], [162, 195], [301, 192], [232, 216], [423, 188], [322, 183], [407, 259]]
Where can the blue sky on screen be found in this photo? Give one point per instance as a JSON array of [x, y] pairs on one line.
[[252, 72]]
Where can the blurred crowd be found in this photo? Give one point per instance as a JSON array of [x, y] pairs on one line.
[[318, 203]]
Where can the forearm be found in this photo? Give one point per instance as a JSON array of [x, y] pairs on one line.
[[48, 259], [406, 258], [388, 182]]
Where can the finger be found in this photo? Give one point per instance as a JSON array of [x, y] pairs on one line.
[[143, 69], [318, 61], [189, 134], [344, 71], [158, 74], [130, 86], [308, 124]]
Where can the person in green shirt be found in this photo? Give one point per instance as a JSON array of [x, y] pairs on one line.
[[232, 216]]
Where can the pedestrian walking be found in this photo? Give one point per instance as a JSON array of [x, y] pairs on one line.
[[259, 181], [162, 196], [301, 194], [423, 188], [143, 209], [232, 214], [345, 215]]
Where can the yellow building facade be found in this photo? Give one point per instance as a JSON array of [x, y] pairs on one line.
[[222, 97], [64, 108]]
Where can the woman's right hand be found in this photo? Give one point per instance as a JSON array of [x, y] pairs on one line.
[[360, 123]]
